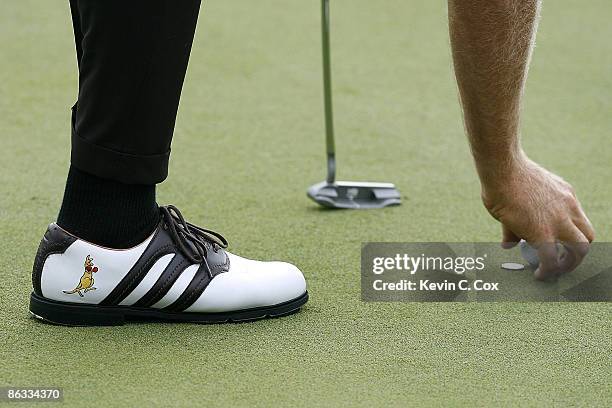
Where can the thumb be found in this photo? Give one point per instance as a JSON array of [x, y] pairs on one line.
[[509, 238]]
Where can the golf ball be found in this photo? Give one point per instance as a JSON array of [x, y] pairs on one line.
[[529, 253]]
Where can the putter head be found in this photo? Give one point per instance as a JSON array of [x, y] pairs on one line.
[[354, 194]]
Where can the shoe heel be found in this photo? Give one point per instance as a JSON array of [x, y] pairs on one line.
[[74, 314]]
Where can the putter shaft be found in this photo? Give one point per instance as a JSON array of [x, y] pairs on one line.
[[327, 94]]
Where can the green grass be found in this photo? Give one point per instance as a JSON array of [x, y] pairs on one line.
[[251, 119]]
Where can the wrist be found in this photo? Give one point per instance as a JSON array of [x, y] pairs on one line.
[[499, 168]]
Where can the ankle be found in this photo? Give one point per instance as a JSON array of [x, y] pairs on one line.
[[107, 212]]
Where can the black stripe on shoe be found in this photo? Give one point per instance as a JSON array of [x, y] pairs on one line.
[[163, 284], [193, 291], [160, 245]]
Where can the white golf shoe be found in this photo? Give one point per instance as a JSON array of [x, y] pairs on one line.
[[180, 273]]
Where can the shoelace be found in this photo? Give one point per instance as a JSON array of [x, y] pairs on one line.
[[184, 233]]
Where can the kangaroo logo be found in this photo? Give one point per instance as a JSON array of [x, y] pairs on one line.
[[86, 282]]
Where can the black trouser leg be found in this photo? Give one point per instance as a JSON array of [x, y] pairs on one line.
[[132, 57], [132, 61]]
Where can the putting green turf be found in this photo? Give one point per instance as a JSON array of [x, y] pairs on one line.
[[251, 120]]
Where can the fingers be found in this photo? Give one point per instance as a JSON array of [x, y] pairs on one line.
[[509, 238], [584, 224], [553, 261], [576, 247], [549, 262]]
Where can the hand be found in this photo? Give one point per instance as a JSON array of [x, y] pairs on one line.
[[540, 207]]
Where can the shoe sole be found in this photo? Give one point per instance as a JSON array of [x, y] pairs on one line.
[[79, 314]]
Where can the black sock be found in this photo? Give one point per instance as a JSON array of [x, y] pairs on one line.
[[106, 212]]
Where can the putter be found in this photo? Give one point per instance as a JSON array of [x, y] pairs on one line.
[[343, 194]]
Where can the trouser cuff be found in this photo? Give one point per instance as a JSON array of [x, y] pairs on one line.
[[114, 165]]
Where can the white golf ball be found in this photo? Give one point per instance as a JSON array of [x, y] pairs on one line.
[[529, 253]]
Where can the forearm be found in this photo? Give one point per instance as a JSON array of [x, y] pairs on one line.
[[492, 41]]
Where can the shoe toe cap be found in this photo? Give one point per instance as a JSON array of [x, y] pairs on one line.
[[251, 284]]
